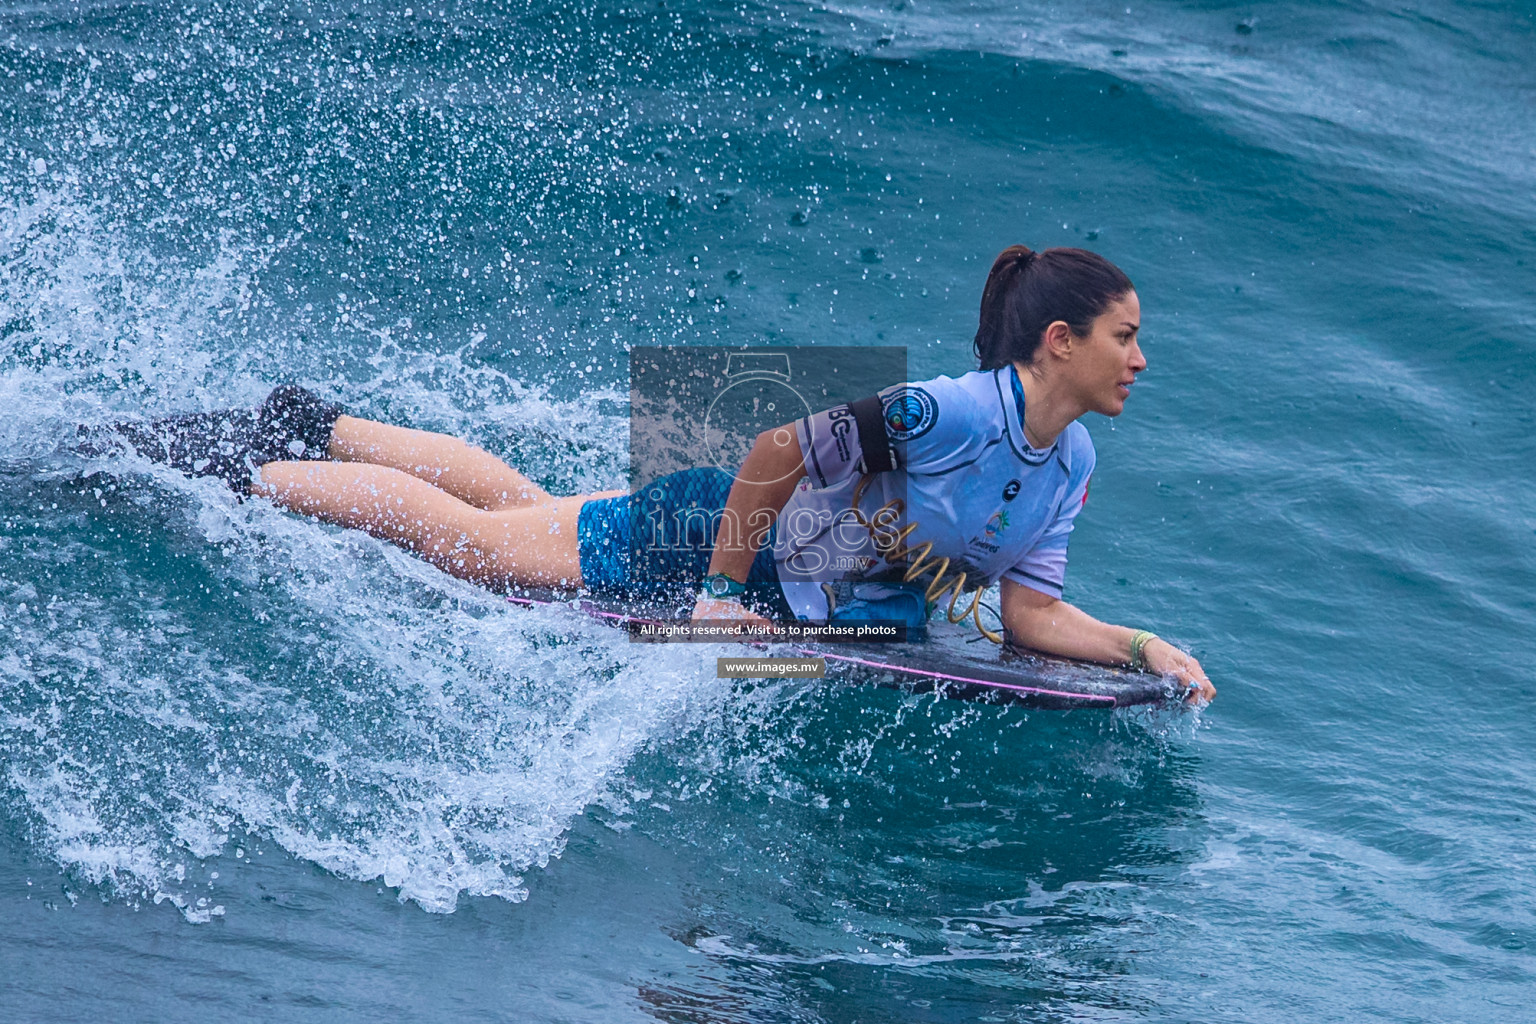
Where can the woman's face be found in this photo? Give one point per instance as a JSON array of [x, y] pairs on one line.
[[1106, 365]]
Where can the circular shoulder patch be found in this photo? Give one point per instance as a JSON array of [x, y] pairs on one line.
[[910, 413]]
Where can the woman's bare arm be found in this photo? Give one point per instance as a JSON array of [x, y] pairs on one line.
[[1052, 626], [764, 483]]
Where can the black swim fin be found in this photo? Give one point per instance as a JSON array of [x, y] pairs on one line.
[[293, 423], [199, 444]]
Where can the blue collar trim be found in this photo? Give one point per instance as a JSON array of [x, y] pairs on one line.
[[1034, 456]]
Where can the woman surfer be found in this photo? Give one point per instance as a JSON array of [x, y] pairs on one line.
[[981, 474]]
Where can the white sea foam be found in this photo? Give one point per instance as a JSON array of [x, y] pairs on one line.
[[181, 666]]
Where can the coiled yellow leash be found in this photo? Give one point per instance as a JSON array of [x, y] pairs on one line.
[[890, 542]]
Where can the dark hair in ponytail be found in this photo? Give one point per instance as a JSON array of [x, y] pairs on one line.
[[1028, 291]]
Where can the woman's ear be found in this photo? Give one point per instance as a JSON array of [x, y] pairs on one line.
[[1057, 339]]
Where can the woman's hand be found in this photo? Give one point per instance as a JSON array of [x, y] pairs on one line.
[[1167, 660], [716, 609]]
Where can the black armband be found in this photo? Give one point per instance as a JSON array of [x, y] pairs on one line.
[[869, 415]]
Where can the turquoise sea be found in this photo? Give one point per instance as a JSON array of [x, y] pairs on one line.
[[254, 765]]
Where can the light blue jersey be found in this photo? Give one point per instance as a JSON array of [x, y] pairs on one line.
[[989, 502]]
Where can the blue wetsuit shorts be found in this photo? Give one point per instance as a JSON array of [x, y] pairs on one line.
[[656, 544]]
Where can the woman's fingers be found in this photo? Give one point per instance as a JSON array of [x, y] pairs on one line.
[[1200, 688], [1167, 660]]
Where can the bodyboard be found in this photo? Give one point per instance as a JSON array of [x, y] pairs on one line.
[[953, 661]]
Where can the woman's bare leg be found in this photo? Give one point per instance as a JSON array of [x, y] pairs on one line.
[[534, 545], [468, 473]]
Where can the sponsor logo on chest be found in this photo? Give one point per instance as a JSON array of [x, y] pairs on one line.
[[991, 538]]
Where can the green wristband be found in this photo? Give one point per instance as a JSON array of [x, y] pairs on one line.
[[1139, 641]]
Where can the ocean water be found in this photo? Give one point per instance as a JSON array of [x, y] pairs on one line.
[[255, 764]]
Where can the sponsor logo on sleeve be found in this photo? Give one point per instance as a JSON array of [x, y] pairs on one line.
[[910, 413], [840, 422]]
